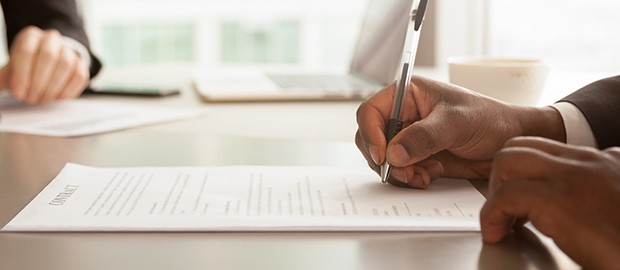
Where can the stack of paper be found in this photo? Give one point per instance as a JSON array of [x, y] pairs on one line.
[[244, 199], [83, 117]]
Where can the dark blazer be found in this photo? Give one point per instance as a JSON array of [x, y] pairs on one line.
[[600, 104], [61, 15]]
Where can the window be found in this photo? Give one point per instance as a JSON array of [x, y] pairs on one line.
[[266, 43], [297, 34], [133, 44], [221, 33]]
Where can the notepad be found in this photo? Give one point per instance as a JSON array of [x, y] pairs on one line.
[[237, 198]]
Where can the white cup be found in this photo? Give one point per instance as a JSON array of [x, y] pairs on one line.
[[513, 80]]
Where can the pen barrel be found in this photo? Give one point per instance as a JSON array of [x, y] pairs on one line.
[[394, 126], [403, 81], [402, 89]]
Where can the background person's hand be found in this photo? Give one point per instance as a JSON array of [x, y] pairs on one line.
[[448, 131], [569, 193], [42, 67]]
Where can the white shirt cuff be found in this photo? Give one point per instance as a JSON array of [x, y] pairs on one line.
[[578, 130], [80, 49]]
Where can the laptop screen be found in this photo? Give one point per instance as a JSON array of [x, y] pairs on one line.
[[380, 44]]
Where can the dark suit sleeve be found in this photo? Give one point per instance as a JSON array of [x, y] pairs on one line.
[[600, 104], [61, 15]]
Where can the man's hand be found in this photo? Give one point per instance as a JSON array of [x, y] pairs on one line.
[[43, 68], [448, 131], [571, 194]]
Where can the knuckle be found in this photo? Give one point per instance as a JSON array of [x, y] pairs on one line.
[[358, 112], [500, 167], [590, 162], [47, 54], [28, 51], [613, 152], [502, 157], [70, 92], [544, 217], [31, 30], [503, 191], [52, 33], [510, 153], [65, 61], [515, 141], [361, 110], [358, 140], [82, 74], [588, 154]]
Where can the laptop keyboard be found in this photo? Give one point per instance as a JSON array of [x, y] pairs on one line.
[[328, 83]]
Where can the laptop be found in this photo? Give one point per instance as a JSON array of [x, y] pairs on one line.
[[372, 67]]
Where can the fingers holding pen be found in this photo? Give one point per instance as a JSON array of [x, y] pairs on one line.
[[421, 139], [419, 175], [374, 165], [414, 176], [370, 135], [372, 116]]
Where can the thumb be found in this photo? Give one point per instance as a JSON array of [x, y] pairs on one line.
[[4, 76], [420, 140]]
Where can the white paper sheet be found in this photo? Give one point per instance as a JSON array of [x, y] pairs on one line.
[[83, 117], [83, 198]]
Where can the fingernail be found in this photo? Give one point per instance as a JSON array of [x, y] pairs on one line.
[[426, 181], [418, 182], [374, 153], [435, 171], [398, 155], [399, 174]]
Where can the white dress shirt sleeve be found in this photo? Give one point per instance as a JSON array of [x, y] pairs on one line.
[[578, 130], [80, 49]]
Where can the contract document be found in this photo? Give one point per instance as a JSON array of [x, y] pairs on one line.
[[80, 117], [238, 198]]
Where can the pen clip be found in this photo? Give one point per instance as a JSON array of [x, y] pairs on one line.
[[418, 14]]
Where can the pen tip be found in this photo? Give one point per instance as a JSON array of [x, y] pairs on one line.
[[385, 172]]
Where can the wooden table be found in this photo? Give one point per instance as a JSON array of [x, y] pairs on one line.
[[233, 134]]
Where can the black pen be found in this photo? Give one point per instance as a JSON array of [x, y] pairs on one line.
[[412, 38]]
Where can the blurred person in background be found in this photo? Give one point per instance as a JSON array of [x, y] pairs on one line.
[[49, 55]]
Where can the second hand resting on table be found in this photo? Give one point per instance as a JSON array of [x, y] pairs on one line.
[[570, 193]]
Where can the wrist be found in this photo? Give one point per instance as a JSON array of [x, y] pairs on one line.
[[543, 122]]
